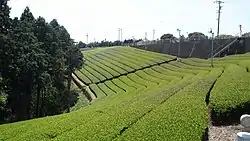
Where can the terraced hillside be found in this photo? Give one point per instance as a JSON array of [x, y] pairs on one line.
[[146, 96]]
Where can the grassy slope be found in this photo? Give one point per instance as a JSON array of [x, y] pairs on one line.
[[159, 102], [82, 101]]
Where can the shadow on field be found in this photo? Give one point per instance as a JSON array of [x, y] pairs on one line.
[[205, 135], [231, 117]]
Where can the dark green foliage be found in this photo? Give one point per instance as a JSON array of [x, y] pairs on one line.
[[5, 21], [196, 36], [81, 45], [230, 96], [163, 102], [182, 117], [36, 62], [167, 36]]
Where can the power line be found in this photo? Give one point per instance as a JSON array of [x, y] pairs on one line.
[[219, 12]]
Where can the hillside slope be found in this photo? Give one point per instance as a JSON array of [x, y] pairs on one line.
[[144, 96]]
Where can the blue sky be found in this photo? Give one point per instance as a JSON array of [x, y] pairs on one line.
[[102, 18]]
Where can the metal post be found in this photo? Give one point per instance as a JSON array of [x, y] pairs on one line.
[[145, 41], [212, 51], [153, 35], [119, 34], [240, 31], [87, 38], [219, 12], [212, 59], [179, 46]]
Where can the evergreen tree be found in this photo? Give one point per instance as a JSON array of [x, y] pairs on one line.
[[5, 21], [5, 25], [36, 62]]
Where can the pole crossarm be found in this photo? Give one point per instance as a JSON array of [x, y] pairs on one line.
[[219, 2]]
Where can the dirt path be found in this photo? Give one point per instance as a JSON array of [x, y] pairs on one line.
[[91, 96], [224, 133]]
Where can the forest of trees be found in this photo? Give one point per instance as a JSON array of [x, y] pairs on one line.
[[36, 62]]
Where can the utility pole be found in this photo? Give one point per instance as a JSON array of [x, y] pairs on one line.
[[179, 46], [212, 51], [153, 34], [145, 41], [119, 34], [87, 38], [240, 30], [219, 2]]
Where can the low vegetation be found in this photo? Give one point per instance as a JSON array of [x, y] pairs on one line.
[[230, 97], [179, 118], [153, 99]]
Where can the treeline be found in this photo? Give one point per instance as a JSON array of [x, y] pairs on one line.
[[105, 43], [36, 62]]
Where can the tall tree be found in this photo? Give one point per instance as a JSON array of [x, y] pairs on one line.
[[36, 62], [5, 21], [5, 25], [196, 36], [247, 34], [75, 61], [81, 45], [42, 75], [167, 36]]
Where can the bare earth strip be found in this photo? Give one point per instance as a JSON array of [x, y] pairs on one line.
[[86, 88], [224, 133]]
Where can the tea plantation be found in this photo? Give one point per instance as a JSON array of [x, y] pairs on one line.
[[143, 95]]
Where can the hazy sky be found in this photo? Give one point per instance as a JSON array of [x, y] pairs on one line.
[[102, 18]]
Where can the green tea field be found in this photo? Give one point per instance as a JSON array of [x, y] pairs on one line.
[[142, 95]]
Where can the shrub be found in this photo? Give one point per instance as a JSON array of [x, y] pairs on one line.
[[230, 97]]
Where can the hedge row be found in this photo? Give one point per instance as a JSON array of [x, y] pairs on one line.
[[90, 76], [111, 62], [111, 123], [117, 61], [144, 55], [153, 56], [83, 77], [230, 97], [103, 120], [184, 116], [96, 67], [104, 66], [156, 55], [136, 57]]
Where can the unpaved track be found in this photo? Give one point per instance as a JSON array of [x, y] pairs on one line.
[[91, 96], [224, 133]]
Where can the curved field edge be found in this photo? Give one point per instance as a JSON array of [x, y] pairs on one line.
[[230, 97], [91, 121], [114, 116], [184, 116]]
